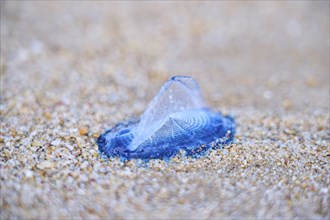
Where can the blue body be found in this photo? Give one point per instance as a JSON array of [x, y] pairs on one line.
[[194, 131]]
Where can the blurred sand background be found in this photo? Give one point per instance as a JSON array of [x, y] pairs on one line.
[[70, 70]]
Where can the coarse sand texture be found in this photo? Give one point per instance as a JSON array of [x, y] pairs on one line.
[[71, 70]]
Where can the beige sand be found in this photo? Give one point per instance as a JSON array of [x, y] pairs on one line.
[[71, 70]]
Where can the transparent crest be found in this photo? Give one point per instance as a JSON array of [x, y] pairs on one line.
[[179, 93]]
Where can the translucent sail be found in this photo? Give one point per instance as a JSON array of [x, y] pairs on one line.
[[179, 93]]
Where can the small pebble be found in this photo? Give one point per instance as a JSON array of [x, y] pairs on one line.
[[13, 132], [55, 142], [83, 131], [48, 116], [29, 173]]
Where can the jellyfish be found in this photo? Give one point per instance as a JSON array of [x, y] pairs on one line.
[[177, 119]]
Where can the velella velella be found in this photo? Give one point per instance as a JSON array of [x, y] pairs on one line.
[[176, 119]]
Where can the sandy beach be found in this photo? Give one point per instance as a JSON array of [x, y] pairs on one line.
[[71, 70]]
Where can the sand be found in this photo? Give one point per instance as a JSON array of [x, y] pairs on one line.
[[71, 70]]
